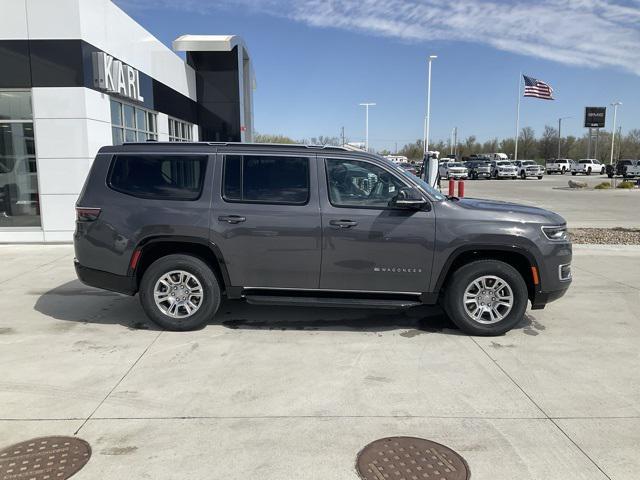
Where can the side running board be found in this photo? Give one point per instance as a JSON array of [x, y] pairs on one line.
[[330, 302]]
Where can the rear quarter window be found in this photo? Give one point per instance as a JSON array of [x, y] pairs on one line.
[[160, 177]]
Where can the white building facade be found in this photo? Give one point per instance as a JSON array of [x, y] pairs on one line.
[[76, 75]]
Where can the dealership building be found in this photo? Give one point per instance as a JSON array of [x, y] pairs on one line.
[[79, 74]]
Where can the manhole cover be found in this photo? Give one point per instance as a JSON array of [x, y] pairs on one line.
[[46, 458], [409, 458]]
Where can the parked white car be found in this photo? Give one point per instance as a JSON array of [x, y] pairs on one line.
[[529, 168], [453, 170], [503, 169], [558, 165], [587, 166]]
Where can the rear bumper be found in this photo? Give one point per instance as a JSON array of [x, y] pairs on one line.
[[106, 280]]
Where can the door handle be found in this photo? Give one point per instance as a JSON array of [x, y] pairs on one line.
[[231, 218], [343, 223]]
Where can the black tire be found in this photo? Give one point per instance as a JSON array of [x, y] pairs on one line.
[[563, 171], [474, 176], [461, 278], [610, 175], [539, 177], [204, 275], [523, 175], [574, 173], [589, 171]]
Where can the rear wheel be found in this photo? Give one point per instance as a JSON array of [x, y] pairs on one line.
[[486, 297], [180, 292]]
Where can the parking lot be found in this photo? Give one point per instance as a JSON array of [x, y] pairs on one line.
[[275, 392], [581, 208]]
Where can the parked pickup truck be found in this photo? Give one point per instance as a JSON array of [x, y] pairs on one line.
[[186, 225], [529, 168], [453, 170], [503, 169], [631, 171], [587, 166], [478, 169], [619, 168], [558, 165]]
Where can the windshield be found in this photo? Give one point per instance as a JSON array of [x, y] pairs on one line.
[[504, 164], [455, 164], [528, 162]]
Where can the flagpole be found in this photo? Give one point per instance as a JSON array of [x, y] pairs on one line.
[[515, 155]]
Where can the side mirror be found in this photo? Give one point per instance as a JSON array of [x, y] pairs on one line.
[[408, 198]]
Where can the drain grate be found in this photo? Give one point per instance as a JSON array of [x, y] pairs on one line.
[[45, 458], [409, 458]]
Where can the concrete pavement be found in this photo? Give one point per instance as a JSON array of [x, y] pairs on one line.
[[279, 393]]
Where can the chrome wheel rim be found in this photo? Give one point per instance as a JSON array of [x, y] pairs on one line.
[[178, 294], [488, 299]]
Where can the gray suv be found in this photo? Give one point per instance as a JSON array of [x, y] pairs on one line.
[[188, 224]]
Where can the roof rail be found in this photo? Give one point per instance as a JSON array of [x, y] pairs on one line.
[[245, 144]]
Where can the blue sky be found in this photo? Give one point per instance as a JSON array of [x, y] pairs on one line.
[[315, 60]]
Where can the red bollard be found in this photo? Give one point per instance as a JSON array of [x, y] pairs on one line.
[[461, 188], [452, 187]]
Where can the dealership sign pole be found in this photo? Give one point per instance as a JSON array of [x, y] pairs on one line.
[[594, 118]]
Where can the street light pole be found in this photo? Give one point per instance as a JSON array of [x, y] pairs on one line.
[[560, 134], [427, 118], [613, 132], [366, 123]]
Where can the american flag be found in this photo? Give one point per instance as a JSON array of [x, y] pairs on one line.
[[537, 88]]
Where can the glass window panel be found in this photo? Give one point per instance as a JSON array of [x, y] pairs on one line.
[[129, 116], [129, 135], [116, 113], [152, 125], [141, 119], [15, 105], [171, 177], [142, 137], [360, 184], [118, 135], [232, 177], [19, 200]]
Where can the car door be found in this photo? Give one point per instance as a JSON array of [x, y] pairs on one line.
[[266, 219], [367, 245]]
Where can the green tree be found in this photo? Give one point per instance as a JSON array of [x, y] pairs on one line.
[[548, 143], [270, 138], [527, 147]]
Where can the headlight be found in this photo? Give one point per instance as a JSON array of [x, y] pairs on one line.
[[556, 233]]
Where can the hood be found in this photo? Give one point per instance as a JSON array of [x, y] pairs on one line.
[[510, 211]]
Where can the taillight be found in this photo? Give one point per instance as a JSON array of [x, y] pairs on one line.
[[84, 214]]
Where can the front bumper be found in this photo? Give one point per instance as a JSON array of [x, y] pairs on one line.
[[507, 174], [553, 275], [106, 280]]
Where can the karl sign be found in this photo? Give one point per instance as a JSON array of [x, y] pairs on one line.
[[114, 76]]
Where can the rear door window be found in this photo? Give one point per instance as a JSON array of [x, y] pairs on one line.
[[161, 177], [266, 179]]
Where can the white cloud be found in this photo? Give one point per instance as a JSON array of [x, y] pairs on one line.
[[592, 33]]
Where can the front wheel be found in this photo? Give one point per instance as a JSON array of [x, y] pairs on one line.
[[523, 176], [539, 177], [574, 173], [486, 297], [563, 171], [180, 292], [589, 171]]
